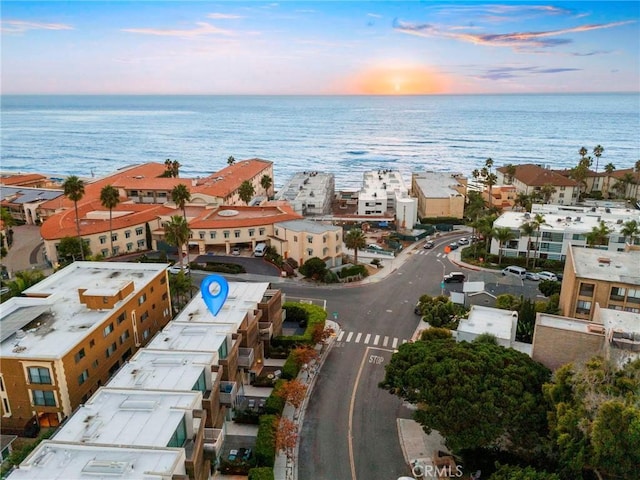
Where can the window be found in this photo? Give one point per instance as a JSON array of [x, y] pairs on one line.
[[127, 234], [578, 236], [252, 232], [109, 351], [92, 343], [104, 252], [83, 377], [236, 233], [121, 317], [164, 296], [309, 239], [44, 397], [142, 299], [144, 316], [633, 296], [114, 236], [201, 384], [80, 355], [39, 375], [324, 239], [129, 247], [295, 238], [146, 333], [107, 330], [141, 243], [201, 235], [583, 307], [124, 336], [225, 233], [134, 193], [7, 408], [561, 195], [617, 294], [103, 240], [179, 436], [212, 235], [95, 363], [222, 351], [277, 232], [310, 252], [261, 231], [586, 289], [139, 231]]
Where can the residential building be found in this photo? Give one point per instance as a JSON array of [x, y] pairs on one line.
[[70, 333], [563, 226], [29, 180], [384, 194], [502, 324], [309, 193], [613, 334], [623, 183], [439, 194], [23, 203], [611, 279], [531, 179], [53, 460], [304, 239]]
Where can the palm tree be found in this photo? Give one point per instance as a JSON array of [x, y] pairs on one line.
[[502, 235], [74, 191], [484, 225], [547, 191], [609, 168], [579, 174], [231, 160], [598, 150], [583, 152], [538, 221], [599, 235], [509, 173], [355, 239], [636, 170], [180, 195], [266, 183], [631, 229], [528, 229], [176, 233], [523, 200], [175, 168], [624, 182], [109, 198], [246, 191]]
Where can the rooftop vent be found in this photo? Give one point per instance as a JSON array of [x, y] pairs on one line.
[[595, 328]]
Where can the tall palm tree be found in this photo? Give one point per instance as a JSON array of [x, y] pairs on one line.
[[523, 200], [599, 235], [246, 191], [355, 239], [631, 229], [266, 183], [176, 233], [624, 182], [528, 229], [583, 152], [538, 221], [598, 150], [231, 160], [74, 190], [547, 191], [609, 168], [509, 173], [110, 198], [502, 235], [180, 195], [636, 170]]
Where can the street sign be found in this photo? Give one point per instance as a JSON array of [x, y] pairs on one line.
[[335, 315]]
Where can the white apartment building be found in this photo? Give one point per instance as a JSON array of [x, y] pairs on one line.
[[384, 194], [309, 193], [563, 225]]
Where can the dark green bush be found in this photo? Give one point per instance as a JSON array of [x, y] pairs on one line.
[[249, 417], [295, 312], [236, 467], [316, 316], [274, 405], [231, 268], [290, 369], [549, 287], [261, 473], [266, 441], [352, 271]]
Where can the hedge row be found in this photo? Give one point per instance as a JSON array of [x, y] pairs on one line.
[[231, 268], [266, 441], [353, 271], [316, 315], [261, 473], [274, 405]]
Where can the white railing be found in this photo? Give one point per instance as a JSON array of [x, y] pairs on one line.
[[245, 357]]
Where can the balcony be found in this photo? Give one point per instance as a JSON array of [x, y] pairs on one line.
[[245, 357], [213, 440], [626, 341], [228, 393], [266, 330]]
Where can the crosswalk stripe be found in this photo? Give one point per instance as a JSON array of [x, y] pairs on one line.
[[395, 342], [349, 336], [358, 337], [376, 339], [385, 341], [366, 339], [341, 335]]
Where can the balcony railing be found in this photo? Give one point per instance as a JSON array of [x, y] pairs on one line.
[[228, 393], [245, 357], [266, 330], [213, 440]]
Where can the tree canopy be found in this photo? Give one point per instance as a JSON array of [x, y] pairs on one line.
[[475, 394], [246, 191]]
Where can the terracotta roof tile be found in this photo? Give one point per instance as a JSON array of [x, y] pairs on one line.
[[536, 176], [22, 179], [242, 216]]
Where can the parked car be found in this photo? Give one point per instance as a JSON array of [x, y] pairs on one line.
[[373, 246], [532, 276], [514, 270], [429, 244], [548, 276], [454, 277], [416, 309], [235, 251], [463, 241], [453, 245], [175, 269]]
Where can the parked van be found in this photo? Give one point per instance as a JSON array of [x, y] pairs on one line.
[[260, 250], [513, 270]]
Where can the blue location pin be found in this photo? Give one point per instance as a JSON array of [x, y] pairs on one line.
[[214, 301]]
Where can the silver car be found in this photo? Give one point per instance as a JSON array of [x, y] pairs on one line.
[[548, 276]]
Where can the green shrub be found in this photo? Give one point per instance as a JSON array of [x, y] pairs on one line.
[[274, 405], [295, 312], [549, 287], [249, 417], [261, 473], [352, 271], [266, 441], [231, 268], [236, 467], [316, 316], [290, 369]]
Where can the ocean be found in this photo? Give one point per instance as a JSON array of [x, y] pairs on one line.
[[345, 135]]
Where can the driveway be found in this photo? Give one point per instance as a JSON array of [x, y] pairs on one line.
[[27, 251]]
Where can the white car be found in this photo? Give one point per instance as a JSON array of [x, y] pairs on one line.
[[548, 276], [463, 241], [235, 251], [175, 269], [373, 246]]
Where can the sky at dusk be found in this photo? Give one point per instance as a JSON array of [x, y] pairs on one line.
[[307, 47]]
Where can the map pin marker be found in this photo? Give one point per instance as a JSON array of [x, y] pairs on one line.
[[216, 300]]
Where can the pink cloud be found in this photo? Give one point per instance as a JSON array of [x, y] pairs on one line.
[[21, 26]]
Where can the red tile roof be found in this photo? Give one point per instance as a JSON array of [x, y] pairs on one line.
[[536, 176], [22, 179], [241, 216]]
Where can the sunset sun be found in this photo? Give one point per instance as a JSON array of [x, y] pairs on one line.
[[397, 81]]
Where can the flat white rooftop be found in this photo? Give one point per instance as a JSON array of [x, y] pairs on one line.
[[53, 460], [619, 321], [201, 337], [438, 184], [129, 417], [164, 370], [622, 267], [55, 321], [565, 323], [494, 321], [243, 297]]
